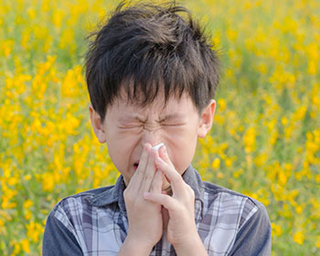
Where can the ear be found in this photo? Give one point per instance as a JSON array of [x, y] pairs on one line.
[[97, 125], [206, 119]]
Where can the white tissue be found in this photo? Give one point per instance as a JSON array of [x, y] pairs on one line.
[[156, 147]]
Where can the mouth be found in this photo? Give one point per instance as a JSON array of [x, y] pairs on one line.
[[135, 166]]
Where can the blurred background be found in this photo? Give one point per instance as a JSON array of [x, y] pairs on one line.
[[265, 141]]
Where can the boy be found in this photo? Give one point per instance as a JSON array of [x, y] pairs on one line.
[[151, 76]]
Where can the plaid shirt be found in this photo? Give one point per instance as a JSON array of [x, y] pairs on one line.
[[95, 222]]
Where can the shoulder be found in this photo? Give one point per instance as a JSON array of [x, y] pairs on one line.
[[77, 218], [88, 193], [84, 197], [215, 192], [234, 223], [228, 202], [80, 204]]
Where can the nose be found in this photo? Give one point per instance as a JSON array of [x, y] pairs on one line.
[[152, 135]]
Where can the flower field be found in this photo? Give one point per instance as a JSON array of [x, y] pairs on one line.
[[265, 141]]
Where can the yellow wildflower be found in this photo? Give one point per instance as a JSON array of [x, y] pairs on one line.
[[25, 245], [299, 237], [216, 163]]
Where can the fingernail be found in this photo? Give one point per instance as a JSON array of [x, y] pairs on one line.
[[146, 147]]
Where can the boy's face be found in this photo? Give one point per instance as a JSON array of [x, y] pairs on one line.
[[128, 127]]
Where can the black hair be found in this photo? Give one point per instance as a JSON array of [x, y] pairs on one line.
[[145, 49]]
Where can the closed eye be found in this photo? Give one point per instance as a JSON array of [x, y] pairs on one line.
[[133, 126], [173, 124]]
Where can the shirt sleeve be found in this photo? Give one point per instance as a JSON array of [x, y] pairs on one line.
[[254, 237], [58, 240]]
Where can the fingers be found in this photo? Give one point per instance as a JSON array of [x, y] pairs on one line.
[[147, 178], [143, 160], [156, 186], [161, 199], [175, 179], [150, 171], [164, 155], [138, 176]]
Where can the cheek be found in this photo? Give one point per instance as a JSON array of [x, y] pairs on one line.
[[120, 142], [181, 150], [114, 151], [119, 150]]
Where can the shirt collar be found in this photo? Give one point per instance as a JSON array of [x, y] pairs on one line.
[[193, 179], [109, 196], [115, 194]]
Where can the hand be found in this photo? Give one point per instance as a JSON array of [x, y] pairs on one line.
[[181, 230], [144, 217]]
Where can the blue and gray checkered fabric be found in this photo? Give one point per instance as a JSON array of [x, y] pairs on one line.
[[95, 222]]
